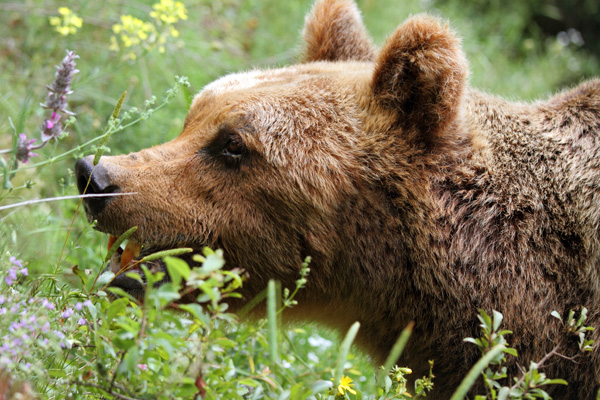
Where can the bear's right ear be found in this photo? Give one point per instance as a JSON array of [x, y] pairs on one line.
[[421, 73], [334, 31]]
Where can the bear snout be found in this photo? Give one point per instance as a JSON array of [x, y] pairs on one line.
[[94, 180]]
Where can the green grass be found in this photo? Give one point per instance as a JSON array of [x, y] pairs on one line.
[[219, 37]]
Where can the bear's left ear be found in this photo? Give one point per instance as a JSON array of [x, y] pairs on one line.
[[334, 31], [421, 73]]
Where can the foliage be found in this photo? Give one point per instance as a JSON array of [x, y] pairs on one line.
[[61, 336], [529, 385]]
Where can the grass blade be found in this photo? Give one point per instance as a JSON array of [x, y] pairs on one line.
[[344, 351], [272, 322], [165, 253], [119, 241], [397, 350], [469, 380]]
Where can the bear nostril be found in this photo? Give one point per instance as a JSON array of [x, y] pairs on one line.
[[94, 180]]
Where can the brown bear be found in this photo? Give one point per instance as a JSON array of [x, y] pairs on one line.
[[418, 198]]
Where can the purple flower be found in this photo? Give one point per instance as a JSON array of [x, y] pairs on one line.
[[79, 306], [88, 303], [67, 313], [2, 299], [57, 97], [24, 153], [24, 272], [48, 305], [13, 260], [82, 321]]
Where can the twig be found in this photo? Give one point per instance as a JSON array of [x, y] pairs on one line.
[[79, 196], [112, 381], [539, 364]]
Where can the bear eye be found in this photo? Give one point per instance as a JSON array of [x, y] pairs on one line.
[[234, 148]]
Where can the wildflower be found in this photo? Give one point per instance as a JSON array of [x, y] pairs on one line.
[[88, 303], [17, 263], [56, 101], [345, 385], [82, 321], [46, 304], [143, 367], [79, 306], [67, 313], [397, 374], [133, 31], [24, 147], [12, 276], [169, 12], [68, 23], [57, 97]]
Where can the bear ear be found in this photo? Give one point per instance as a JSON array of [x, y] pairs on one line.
[[421, 73], [334, 31]]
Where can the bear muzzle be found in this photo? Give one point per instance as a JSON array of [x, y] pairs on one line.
[[93, 180]]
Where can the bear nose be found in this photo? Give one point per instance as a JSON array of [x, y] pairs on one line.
[[99, 183]]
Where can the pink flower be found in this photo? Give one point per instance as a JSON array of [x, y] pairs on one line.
[[52, 121], [24, 153], [143, 367]]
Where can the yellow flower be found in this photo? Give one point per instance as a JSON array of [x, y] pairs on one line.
[[169, 11], [68, 23], [345, 385]]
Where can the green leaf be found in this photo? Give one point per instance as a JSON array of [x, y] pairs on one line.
[[117, 307], [511, 351], [178, 269], [556, 315], [131, 360], [320, 386], [503, 393], [107, 132], [555, 382], [105, 278], [213, 262], [121, 293], [497, 320], [57, 373], [271, 321], [161, 254], [469, 380], [119, 241], [486, 321], [344, 351], [249, 382]]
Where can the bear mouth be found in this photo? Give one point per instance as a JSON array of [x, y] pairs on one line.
[[130, 258]]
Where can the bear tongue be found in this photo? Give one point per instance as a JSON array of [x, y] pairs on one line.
[[111, 240], [132, 250]]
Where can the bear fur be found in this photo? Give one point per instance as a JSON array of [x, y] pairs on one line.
[[417, 197]]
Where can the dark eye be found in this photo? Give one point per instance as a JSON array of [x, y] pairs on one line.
[[234, 148]]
